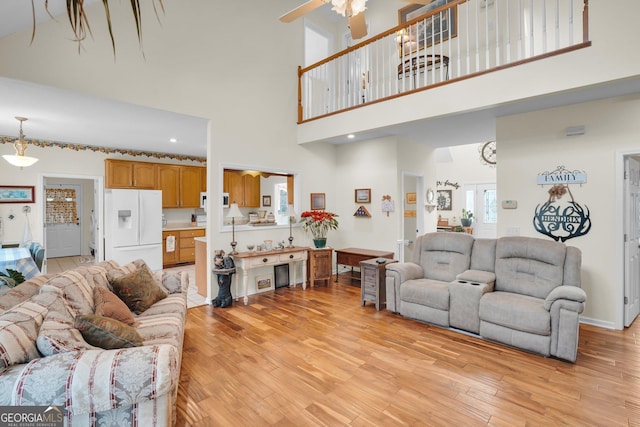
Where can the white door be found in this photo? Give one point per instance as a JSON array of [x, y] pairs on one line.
[[63, 230], [482, 200], [632, 241]]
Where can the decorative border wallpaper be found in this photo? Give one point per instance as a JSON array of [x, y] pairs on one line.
[[106, 150]]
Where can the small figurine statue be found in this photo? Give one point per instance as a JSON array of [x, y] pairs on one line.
[[224, 268]]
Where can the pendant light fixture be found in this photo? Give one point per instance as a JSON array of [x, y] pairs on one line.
[[19, 159]]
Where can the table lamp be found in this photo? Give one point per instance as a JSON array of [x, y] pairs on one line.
[[234, 212], [292, 218]]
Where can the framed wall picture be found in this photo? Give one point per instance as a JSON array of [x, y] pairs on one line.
[[17, 194], [318, 202], [363, 195], [411, 198], [427, 32], [266, 201], [444, 200], [264, 282]]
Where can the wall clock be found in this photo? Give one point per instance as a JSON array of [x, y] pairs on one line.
[[488, 152]]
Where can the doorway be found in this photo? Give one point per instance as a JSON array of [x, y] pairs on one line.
[[631, 215], [482, 200], [412, 216], [61, 235]]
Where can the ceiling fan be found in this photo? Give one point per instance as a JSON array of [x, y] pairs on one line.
[[353, 9]]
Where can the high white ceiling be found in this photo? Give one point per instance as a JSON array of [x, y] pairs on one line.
[[70, 117], [64, 116]]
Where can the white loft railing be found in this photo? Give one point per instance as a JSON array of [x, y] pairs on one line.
[[457, 40]]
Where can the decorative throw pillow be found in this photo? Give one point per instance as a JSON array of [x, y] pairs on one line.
[[19, 329], [109, 305], [171, 280], [57, 333], [116, 273], [107, 333], [138, 290]]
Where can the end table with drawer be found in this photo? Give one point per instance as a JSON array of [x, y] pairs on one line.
[[373, 281]]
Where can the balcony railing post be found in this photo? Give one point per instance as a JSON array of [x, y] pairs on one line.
[[299, 94]]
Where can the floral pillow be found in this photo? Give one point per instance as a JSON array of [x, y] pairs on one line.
[[109, 305], [138, 290], [107, 333]]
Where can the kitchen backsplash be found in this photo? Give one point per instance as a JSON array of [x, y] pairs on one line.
[[180, 215]]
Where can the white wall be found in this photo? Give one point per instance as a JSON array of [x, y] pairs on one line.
[[465, 167], [529, 144]]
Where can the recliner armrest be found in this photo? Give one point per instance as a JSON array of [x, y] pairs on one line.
[[406, 270], [571, 293]]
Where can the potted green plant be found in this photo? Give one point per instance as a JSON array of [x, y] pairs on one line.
[[467, 218]]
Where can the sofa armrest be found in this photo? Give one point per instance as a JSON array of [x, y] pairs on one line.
[[98, 380], [406, 270], [571, 293], [396, 274]]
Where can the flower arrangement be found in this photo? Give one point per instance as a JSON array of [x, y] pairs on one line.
[[319, 222]]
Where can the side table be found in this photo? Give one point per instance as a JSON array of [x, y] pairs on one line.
[[320, 263], [373, 284]]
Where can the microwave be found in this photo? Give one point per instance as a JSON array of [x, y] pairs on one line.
[[225, 200]]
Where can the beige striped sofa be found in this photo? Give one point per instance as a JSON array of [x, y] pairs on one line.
[[123, 386]]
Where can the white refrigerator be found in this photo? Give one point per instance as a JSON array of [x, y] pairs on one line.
[[133, 226]]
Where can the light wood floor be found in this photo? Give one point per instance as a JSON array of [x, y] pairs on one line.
[[315, 357]]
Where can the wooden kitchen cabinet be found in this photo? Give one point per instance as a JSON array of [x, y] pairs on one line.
[[320, 263], [185, 247], [128, 174], [170, 258], [180, 185], [243, 189]]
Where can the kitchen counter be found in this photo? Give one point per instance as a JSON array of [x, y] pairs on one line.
[[177, 226]]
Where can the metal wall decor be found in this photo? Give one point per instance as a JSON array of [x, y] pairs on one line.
[[488, 153], [444, 200], [561, 219], [447, 183]]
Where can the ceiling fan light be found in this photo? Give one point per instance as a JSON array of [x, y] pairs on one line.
[[340, 6], [358, 6]]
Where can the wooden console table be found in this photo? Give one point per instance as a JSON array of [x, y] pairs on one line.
[[354, 256], [248, 260]]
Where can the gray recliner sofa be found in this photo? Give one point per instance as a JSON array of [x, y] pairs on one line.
[[521, 291]]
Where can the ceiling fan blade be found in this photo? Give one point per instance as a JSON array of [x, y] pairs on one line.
[[301, 10], [358, 26]]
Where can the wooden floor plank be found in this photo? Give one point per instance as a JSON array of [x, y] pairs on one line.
[[316, 357]]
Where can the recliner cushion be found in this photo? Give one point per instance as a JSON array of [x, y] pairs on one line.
[[445, 255], [516, 311], [431, 293], [529, 266]]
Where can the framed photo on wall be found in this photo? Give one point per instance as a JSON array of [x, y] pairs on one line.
[[444, 200], [266, 201], [363, 195], [17, 194], [318, 202], [427, 32]]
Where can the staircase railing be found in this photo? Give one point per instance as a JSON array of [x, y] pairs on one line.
[[455, 40]]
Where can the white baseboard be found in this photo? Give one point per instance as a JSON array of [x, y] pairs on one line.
[[597, 322]]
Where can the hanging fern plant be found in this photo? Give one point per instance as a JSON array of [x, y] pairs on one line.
[[11, 278], [80, 24]]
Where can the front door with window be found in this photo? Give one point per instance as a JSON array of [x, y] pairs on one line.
[[482, 200]]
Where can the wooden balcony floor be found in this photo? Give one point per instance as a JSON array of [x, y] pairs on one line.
[[315, 357]]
